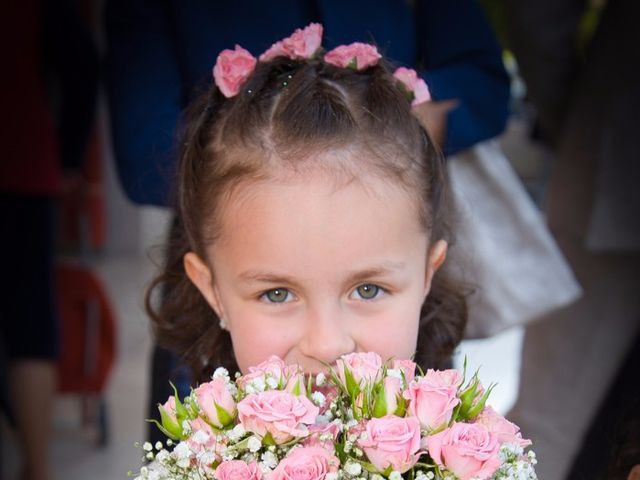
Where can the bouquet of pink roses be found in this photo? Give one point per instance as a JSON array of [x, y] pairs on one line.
[[365, 419]]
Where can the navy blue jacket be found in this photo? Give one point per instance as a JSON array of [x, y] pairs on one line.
[[158, 50]]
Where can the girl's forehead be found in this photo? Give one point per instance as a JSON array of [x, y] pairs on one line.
[[318, 205]]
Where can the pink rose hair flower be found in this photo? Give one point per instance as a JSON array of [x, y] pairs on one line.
[[232, 69], [468, 450], [302, 44], [415, 85], [358, 56]]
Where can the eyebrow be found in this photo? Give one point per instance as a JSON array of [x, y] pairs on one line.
[[386, 268]]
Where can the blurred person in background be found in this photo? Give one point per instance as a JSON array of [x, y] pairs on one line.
[[588, 109], [160, 52], [48, 99]]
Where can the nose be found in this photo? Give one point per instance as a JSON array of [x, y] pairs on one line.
[[327, 335]]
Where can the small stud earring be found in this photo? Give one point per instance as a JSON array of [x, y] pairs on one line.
[[223, 324]]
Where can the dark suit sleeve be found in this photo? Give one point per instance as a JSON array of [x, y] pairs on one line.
[[145, 96], [462, 60]]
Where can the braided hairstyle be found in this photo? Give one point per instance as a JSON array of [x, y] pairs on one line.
[[287, 112]]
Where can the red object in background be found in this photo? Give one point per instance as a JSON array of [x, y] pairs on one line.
[[88, 331], [82, 203]]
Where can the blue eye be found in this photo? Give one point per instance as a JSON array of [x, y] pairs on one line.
[[367, 291], [276, 295]]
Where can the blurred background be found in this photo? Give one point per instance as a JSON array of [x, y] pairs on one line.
[[102, 241]]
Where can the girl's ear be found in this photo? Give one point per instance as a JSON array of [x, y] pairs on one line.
[[435, 259], [200, 275]]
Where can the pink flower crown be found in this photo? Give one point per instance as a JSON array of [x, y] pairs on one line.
[[234, 67]]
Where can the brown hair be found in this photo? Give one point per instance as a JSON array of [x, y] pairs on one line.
[[289, 110]]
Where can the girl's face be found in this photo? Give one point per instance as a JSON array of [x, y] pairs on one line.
[[309, 271]]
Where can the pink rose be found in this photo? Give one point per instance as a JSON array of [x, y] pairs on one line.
[[306, 463], [432, 398], [358, 55], [296, 385], [468, 450], [503, 429], [273, 367], [283, 415], [302, 44], [407, 367], [232, 69], [388, 397], [204, 437], [392, 441], [365, 367], [238, 470], [168, 418], [413, 84], [216, 402]]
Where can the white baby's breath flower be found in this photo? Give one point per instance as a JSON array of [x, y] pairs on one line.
[[229, 453], [394, 372], [331, 476], [269, 460], [250, 389], [318, 398], [220, 372], [236, 433], [376, 476], [147, 447], [162, 456], [182, 450], [200, 437], [232, 389], [353, 468], [272, 383], [206, 457], [358, 452], [321, 378], [186, 427], [395, 475], [254, 444], [259, 384]]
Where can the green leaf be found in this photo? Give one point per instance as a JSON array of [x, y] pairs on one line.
[[479, 406], [401, 409], [165, 431], [181, 411], [380, 403], [353, 388], [224, 417], [268, 439]]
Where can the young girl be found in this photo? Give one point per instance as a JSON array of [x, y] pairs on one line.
[[314, 219]]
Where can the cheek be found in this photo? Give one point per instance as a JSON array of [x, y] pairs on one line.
[[256, 338], [393, 333]]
